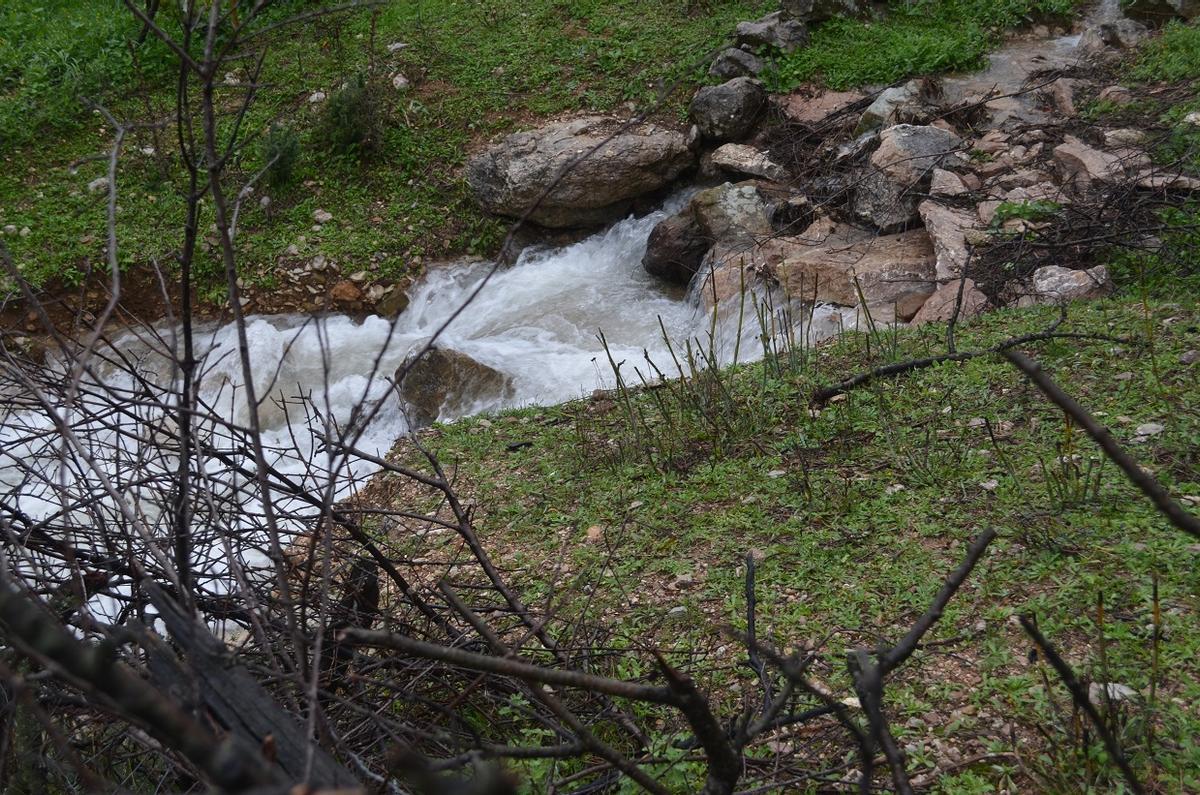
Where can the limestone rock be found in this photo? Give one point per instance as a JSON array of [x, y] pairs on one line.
[[1053, 284], [509, 178], [1084, 164], [1120, 34], [747, 161], [732, 213], [946, 183], [815, 110], [894, 105], [779, 30], [444, 383], [736, 62], [948, 230], [899, 171], [892, 270], [729, 111], [939, 308], [676, 248]]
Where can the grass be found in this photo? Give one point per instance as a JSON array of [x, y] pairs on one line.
[[859, 511], [476, 70], [1173, 56], [915, 38]]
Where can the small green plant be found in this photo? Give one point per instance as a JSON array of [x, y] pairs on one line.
[[1175, 55], [281, 150], [352, 121], [1037, 210]]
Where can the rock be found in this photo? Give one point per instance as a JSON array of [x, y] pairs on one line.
[[946, 183], [1062, 93], [779, 30], [893, 105], [1158, 10], [898, 173], [97, 185], [891, 270], [1121, 34], [400, 82], [1117, 95], [1149, 429], [821, 10], [396, 46], [445, 383], [947, 229], [1189, 357], [747, 161], [735, 62], [392, 302], [10, 229], [939, 308], [676, 248], [322, 216], [815, 110], [316, 97], [729, 111], [509, 178], [1053, 284], [345, 292], [1192, 118], [1099, 693], [1124, 137], [732, 213], [1084, 164]]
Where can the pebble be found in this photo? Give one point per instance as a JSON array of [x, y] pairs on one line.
[[1189, 357], [322, 216], [97, 185], [1193, 118], [24, 231], [990, 485], [1125, 376], [776, 473], [1149, 429], [316, 97], [10, 229], [1116, 692], [400, 82], [396, 46]]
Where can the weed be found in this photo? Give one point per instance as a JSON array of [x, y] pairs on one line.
[[1175, 55]]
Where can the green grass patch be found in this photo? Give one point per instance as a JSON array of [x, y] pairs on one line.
[[859, 511], [914, 38], [1172, 56]]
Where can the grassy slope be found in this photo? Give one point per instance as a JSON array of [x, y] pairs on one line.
[[860, 511], [478, 68]]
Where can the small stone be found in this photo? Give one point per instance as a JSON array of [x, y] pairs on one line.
[[595, 533], [1189, 357], [322, 217], [264, 202], [895, 488], [10, 229], [776, 473], [97, 185], [400, 82], [24, 231], [1192, 118], [316, 97], [677, 611], [1116, 692], [1149, 429], [1125, 376], [990, 485], [358, 277], [397, 46]]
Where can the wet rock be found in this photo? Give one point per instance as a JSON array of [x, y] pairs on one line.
[[747, 161], [729, 111], [509, 178], [392, 302], [947, 228], [892, 271], [736, 62], [939, 308], [732, 213], [1062, 92], [445, 383], [899, 172], [1053, 284], [676, 248], [1119, 34], [779, 30], [816, 110], [345, 292]]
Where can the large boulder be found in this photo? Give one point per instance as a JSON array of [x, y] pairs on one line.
[[778, 30], [511, 177], [676, 248], [893, 272], [445, 383], [899, 172], [729, 111]]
